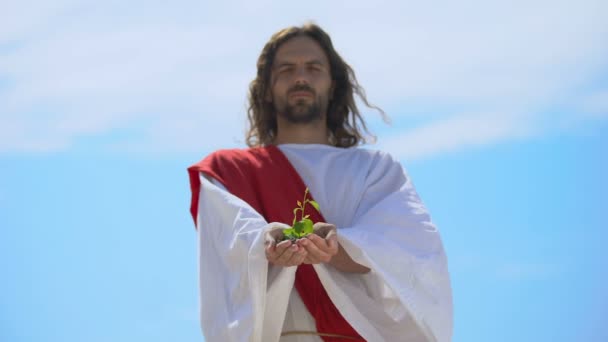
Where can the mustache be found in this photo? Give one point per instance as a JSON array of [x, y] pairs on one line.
[[301, 87]]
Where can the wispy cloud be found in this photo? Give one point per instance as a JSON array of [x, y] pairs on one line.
[[178, 75], [457, 132]]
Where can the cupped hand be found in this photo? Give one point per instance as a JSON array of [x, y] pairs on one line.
[[282, 253], [322, 245]]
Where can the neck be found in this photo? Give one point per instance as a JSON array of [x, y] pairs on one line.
[[309, 133]]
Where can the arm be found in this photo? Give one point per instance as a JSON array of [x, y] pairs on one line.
[[343, 262], [280, 254], [234, 284], [392, 233]]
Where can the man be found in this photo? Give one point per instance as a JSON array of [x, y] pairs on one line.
[[374, 269]]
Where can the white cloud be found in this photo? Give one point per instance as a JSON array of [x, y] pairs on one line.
[[178, 74], [457, 132]]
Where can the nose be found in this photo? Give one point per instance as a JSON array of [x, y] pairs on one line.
[[301, 76]]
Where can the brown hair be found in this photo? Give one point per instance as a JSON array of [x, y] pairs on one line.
[[344, 121]]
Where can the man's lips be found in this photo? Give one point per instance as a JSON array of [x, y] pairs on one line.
[[301, 94]]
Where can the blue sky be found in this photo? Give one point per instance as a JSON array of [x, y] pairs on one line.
[[499, 113]]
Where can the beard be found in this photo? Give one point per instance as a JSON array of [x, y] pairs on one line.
[[302, 111]]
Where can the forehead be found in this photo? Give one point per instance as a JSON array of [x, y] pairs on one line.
[[300, 49]]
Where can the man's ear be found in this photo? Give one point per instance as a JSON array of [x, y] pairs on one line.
[[331, 90]]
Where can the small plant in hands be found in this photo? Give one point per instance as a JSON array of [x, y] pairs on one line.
[[303, 227]]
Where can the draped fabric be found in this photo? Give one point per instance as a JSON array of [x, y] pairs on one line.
[[382, 224], [265, 179]]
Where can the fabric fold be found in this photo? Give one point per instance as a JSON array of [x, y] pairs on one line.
[[233, 271], [382, 224]]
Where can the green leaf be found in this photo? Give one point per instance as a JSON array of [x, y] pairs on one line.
[[314, 204], [289, 234], [307, 229], [298, 228]]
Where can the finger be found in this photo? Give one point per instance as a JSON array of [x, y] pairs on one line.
[[298, 257], [328, 245], [331, 232], [277, 235], [332, 244], [283, 259], [307, 258], [269, 240], [273, 235], [283, 245], [315, 253], [274, 252], [323, 228], [270, 249], [322, 225], [320, 242]]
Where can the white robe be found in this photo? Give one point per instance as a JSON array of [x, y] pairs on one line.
[[382, 224]]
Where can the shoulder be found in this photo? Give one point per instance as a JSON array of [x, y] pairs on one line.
[[225, 159], [378, 158], [382, 166], [233, 153], [233, 156]]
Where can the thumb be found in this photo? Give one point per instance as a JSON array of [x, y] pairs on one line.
[[274, 233], [270, 239], [332, 240], [270, 246]]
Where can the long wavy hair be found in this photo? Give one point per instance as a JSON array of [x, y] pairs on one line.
[[344, 121]]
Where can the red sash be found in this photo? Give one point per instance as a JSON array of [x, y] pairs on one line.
[[266, 180]]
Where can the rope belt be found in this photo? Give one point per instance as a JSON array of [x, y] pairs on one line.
[[301, 332]]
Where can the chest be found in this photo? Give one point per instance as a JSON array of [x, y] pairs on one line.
[[336, 182]]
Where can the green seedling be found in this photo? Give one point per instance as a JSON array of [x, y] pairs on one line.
[[303, 227]]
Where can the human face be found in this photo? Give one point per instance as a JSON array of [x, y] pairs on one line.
[[301, 82]]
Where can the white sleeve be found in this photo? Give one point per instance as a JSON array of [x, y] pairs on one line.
[[407, 295], [233, 270], [215, 182]]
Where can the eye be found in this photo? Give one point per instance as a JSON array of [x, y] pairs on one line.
[[314, 67], [285, 69]]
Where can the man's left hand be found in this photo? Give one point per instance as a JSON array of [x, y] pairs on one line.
[[322, 245]]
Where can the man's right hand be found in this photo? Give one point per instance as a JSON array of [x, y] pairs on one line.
[[284, 253]]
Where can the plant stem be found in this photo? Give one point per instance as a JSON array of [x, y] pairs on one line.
[[304, 204]]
